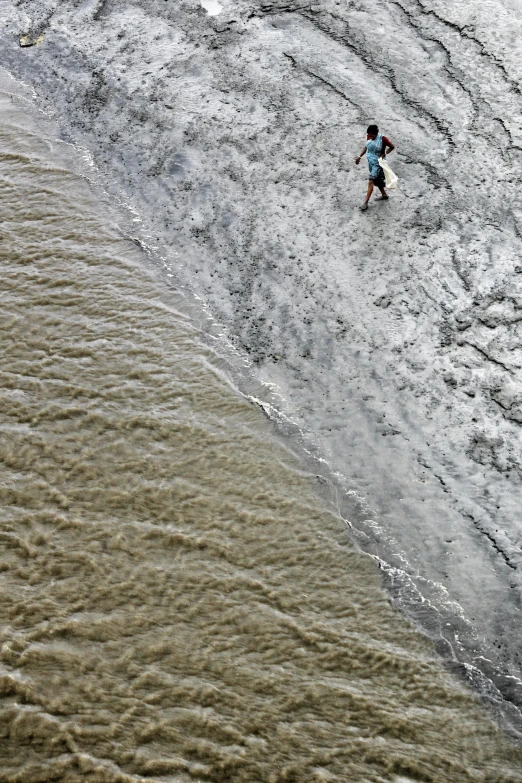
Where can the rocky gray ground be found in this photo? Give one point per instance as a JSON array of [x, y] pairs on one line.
[[393, 338]]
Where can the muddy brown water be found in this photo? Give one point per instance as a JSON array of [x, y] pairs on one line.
[[177, 601]]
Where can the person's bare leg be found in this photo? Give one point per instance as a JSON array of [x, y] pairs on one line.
[[384, 195], [368, 195]]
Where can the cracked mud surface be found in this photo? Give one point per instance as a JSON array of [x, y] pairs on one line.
[[394, 338]]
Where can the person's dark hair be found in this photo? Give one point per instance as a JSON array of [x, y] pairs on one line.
[[372, 129]]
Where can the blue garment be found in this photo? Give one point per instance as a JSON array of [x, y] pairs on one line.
[[374, 149]]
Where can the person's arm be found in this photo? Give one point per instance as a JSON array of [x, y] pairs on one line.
[[387, 146], [358, 158]]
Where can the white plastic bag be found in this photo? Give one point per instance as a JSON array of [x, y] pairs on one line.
[[389, 175]]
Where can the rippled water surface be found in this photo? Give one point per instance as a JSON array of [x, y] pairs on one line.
[[177, 603]]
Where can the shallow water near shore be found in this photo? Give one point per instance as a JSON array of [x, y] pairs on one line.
[[177, 601]]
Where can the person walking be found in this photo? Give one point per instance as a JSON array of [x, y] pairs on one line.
[[377, 146]]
